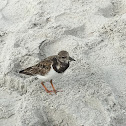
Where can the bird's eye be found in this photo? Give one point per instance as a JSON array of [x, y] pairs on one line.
[[63, 57]]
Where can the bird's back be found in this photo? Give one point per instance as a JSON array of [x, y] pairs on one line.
[[41, 68]]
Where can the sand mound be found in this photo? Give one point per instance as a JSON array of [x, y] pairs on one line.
[[94, 86]]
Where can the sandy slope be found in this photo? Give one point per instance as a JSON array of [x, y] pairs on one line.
[[94, 87]]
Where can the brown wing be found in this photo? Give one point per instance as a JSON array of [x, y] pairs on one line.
[[41, 68]]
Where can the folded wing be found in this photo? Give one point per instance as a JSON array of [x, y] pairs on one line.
[[41, 68]]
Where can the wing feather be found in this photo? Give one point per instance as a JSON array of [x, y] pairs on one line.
[[41, 68]]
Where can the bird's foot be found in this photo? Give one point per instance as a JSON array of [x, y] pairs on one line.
[[55, 91], [49, 91]]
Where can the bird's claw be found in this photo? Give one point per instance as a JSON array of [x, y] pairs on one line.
[[49, 91], [55, 91]]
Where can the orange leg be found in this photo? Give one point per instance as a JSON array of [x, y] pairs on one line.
[[55, 91], [45, 88], [53, 87]]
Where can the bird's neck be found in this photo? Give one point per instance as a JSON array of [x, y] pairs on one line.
[[58, 66]]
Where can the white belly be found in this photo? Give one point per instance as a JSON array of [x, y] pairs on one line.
[[50, 75]]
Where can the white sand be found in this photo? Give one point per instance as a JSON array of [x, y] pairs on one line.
[[94, 87]]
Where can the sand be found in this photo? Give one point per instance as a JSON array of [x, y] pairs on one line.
[[94, 86]]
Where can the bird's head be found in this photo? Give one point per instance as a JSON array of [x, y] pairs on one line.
[[63, 56]]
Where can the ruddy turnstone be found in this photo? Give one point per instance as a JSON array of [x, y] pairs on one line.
[[49, 68]]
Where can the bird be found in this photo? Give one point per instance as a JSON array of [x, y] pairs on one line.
[[50, 68]]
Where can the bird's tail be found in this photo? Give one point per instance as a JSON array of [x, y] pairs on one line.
[[25, 72], [22, 71]]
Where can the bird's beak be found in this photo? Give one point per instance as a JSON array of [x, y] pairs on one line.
[[71, 59]]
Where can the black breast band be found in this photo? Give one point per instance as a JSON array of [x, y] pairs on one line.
[[62, 68]]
